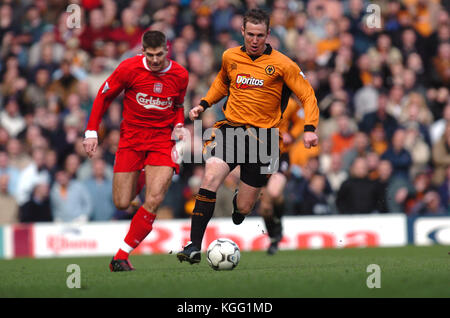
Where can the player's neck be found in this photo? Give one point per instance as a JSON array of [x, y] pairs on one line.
[[163, 67], [259, 54]]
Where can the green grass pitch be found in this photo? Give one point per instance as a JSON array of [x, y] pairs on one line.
[[405, 272]]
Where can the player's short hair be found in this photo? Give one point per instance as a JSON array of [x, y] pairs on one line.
[[154, 39], [257, 16]]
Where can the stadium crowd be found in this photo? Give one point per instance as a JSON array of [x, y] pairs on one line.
[[382, 90]]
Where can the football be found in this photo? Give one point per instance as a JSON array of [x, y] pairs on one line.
[[223, 254]]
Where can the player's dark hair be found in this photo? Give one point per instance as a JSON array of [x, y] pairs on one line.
[[154, 39], [257, 16]]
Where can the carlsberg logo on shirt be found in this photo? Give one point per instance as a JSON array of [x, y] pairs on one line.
[[153, 103]]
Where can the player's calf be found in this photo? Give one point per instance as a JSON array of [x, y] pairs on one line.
[[237, 216]]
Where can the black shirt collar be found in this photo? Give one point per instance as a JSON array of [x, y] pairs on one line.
[[267, 51]]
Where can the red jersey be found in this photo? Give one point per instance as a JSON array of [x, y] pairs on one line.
[[151, 99]]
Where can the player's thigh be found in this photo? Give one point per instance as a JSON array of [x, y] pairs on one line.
[[157, 180], [124, 188], [216, 170]]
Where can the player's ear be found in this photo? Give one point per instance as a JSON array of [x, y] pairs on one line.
[[242, 30]]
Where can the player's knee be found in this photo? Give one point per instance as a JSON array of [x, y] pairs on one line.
[[275, 186], [121, 204], [274, 192], [245, 207], [209, 182]]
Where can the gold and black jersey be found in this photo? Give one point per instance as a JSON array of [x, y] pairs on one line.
[[258, 89]]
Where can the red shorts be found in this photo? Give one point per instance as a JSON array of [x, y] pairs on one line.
[[141, 146]]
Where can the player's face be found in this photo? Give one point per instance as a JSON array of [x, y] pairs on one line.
[[156, 58], [255, 36]]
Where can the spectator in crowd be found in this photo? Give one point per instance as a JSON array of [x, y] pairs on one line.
[[365, 98], [384, 170], [430, 205], [99, 188], [10, 209], [222, 15], [35, 93], [315, 197], [343, 139], [415, 109], [441, 156], [328, 126], [128, 32], [69, 199], [33, 174], [66, 83], [383, 54], [441, 65], [380, 116], [437, 128], [95, 33], [444, 190], [395, 101], [399, 157], [417, 146], [45, 52], [111, 143], [378, 139], [297, 183], [336, 175], [37, 208], [71, 165], [11, 119], [336, 92], [18, 158], [85, 169], [420, 186], [10, 171], [357, 194], [359, 148]]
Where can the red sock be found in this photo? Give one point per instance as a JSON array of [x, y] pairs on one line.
[[141, 225]]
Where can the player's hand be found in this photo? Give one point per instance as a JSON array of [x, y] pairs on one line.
[[310, 139], [287, 138], [195, 112], [90, 146]]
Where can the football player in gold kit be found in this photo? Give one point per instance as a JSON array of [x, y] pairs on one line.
[[257, 80]]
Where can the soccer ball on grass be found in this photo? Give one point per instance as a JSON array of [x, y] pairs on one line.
[[223, 254]]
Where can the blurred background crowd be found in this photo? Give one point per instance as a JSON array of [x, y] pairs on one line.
[[383, 93]]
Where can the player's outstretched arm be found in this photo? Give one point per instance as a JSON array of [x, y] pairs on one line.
[[109, 90]]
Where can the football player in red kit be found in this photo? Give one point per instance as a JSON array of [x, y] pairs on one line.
[[154, 88]]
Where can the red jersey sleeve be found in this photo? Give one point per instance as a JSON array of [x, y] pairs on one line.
[[110, 89]]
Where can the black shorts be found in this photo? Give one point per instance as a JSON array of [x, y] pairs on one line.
[[255, 150]]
